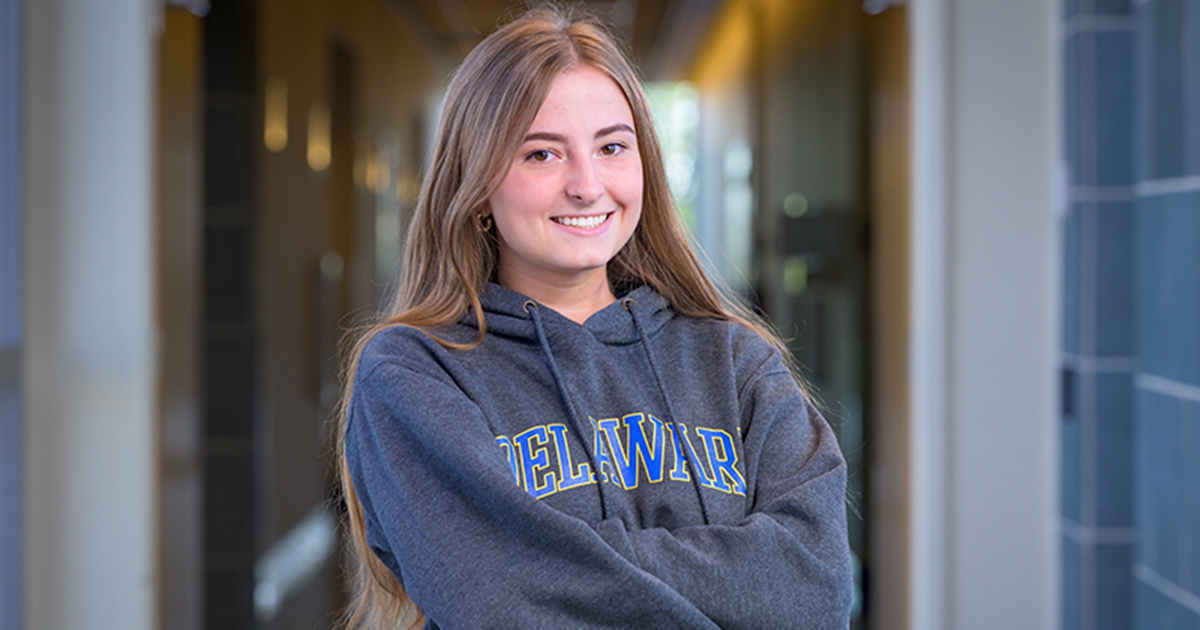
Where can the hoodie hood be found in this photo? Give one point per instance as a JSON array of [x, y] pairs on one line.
[[505, 315]]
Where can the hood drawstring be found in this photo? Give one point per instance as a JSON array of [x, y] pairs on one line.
[[531, 308], [685, 449]]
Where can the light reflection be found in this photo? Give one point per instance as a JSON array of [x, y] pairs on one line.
[[318, 136], [360, 165], [380, 173], [408, 191], [370, 171], [795, 275], [275, 127], [738, 205], [795, 205]]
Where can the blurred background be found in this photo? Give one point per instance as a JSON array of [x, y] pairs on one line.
[[978, 223]]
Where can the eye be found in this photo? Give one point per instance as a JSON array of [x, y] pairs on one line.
[[612, 148], [541, 155]]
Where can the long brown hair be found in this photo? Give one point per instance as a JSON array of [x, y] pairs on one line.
[[491, 102]]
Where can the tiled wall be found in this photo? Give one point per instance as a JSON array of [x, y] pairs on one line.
[[11, 433], [1166, 563], [1098, 341], [1131, 316], [229, 316]]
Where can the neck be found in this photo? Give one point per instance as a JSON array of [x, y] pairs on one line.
[[577, 298]]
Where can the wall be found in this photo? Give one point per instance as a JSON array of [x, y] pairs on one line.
[[890, 171], [985, 125], [1131, 350], [354, 62], [1166, 260], [11, 432], [178, 231], [89, 364], [1097, 343], [229, 332]]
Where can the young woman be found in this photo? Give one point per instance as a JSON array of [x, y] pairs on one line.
[[561, 425]]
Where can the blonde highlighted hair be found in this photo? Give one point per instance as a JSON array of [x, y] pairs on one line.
[[491, 103]]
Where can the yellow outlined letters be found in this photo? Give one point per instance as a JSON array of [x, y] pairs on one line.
[[571, 476], [511, 452], [724, 463], [535, 460]]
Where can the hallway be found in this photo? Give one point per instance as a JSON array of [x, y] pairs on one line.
[[207, 198]]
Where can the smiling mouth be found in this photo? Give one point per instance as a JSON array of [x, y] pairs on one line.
[[583, 222]]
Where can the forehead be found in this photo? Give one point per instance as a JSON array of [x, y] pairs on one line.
[[582, 99]]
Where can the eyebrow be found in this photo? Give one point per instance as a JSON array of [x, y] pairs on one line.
[[614, 129], [557, 137]]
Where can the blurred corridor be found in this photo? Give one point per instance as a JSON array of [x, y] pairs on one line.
[[975, 221]]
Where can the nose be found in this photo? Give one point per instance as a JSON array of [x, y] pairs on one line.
[[585, 186]]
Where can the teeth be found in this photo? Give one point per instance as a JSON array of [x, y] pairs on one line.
[[583, 222]]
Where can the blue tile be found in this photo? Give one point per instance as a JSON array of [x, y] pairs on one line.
[[1146, 610], [1189, 489], [1168, 277], [1191, 61], [1145, 407], [1168, 435], [1072, 584], [1167, 119], [1114, 279], [1156, 428], [1114, 587], [1070, 280], [1144, 64], [1072, 108], [1070, 474], [1114, 7], [11, 255], [11, 495], [1155, 611], [1148, 607], [1167, 509], [1114, 108], [1070, 9], [1114, 450]]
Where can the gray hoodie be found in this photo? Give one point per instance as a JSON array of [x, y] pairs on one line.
[[642, 470]]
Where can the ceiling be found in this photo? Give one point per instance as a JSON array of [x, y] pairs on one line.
[[663, 35]]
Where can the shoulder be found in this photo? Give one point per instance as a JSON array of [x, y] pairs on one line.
[[402, 348], [404, 373], [732, 343]]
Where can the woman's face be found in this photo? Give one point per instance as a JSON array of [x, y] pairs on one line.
[[573, 194]]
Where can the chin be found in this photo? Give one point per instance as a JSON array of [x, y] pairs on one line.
[[589, 264]]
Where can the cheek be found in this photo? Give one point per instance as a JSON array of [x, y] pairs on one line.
[[631, 184], [508, 200], [517, 209]]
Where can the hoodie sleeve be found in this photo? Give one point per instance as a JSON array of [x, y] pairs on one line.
[[471, 548], [787, 564]]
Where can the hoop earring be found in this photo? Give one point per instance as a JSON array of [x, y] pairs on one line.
[[485, 223]]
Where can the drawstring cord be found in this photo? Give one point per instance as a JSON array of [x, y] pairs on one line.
[[531, 308], [691, 463]]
